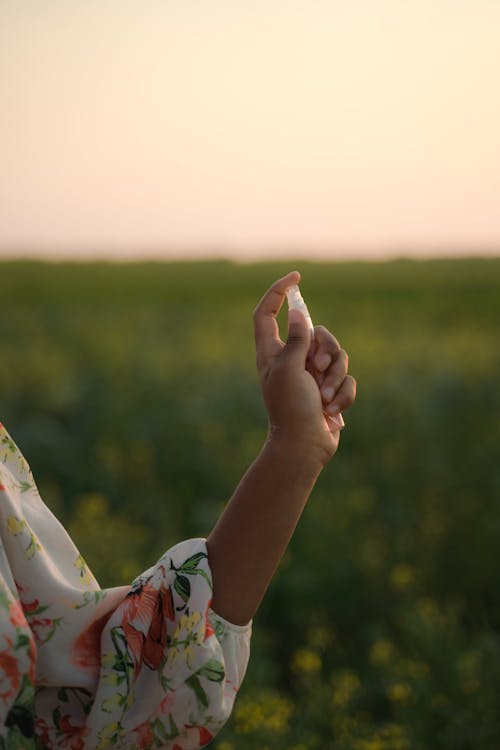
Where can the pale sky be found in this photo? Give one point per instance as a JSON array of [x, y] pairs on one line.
[[251, 127]]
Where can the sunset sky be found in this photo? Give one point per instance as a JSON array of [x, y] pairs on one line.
[[245, 128]]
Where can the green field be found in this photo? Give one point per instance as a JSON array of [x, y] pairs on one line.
[[132, 391]]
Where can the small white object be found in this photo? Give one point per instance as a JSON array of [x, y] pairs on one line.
[[296, 302]]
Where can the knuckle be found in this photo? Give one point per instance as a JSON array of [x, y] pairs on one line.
[[344, 356], [349, 392], [260, 361]]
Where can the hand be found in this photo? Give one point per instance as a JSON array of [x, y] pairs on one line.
[[305, 386]]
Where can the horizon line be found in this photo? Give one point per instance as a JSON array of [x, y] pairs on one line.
[[244, 254]]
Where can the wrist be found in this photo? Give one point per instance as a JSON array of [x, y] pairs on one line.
[[297, 449]]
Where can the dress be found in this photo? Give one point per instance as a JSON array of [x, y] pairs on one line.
[[147, 665]]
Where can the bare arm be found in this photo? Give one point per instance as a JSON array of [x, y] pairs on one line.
[[252, 534]]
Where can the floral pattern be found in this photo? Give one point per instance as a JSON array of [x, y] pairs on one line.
[[137, 667]]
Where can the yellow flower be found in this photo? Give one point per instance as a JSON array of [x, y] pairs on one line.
[[469, 668], [81, 565], [32, 547], [268, 713], [402, 576], [108, 660], [395, 736], [428, 609], [173, 655], [400, 692], [346, 685], [381, 653], [375, 743], [193, 620], [320, 637], [111, 704], [416, 669], [15, 525], [390, 737], [110, 679], [189, 654], [110, 732], [305, 661]]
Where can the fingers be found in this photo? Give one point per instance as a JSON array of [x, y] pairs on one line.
[[299, 339], [267, 339], [338, 389], [344, 397], [335, 375], [327, 347]]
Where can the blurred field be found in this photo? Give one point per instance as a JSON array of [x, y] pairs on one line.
[[131, 390]]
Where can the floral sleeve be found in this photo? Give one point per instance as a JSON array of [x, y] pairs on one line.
[[149, 665]]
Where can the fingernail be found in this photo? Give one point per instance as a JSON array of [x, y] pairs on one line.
[[333, 409], [338, 421], [323, 361], [327, 393]]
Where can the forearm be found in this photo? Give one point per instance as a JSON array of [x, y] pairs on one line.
[[252, 534]]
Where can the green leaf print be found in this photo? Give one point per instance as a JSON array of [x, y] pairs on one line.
[[24, 486], [165, 682], [189, 567], [123, 661], [191, 563], [39, 610], [213, 671], [22, 641], [219, 630], [32, 547], [195, 685], [11, 446], [55, 624], [16, 740], [4, 600], [182, 586], [91, 596], [160, 731], [56, 717]]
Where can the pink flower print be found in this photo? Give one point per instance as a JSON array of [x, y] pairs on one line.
[[208, 627], [143, 621], [86, 652], [31, 606], [145, 736], [74, 735], [42, 731], [156, 639], [16, 615], [43, 629], [10, 675], [204, 735], [167, 703]]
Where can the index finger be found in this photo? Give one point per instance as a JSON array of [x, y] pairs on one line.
[[267, 338]]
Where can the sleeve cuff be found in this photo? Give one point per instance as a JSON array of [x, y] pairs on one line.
[[231, 625]]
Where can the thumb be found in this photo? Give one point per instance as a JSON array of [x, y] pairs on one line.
[[299, 338]]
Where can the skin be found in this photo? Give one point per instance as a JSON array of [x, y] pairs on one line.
[[304, 386]]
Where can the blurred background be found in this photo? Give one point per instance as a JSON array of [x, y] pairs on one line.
[[161, 165]]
